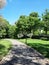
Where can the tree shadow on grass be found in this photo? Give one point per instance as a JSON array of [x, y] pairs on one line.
[[2, 49], [2, 46], [42, 48]]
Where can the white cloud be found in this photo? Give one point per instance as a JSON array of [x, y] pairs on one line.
[[2, 3]]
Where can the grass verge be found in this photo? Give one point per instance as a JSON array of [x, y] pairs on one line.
[[5, 46], [41, 46]]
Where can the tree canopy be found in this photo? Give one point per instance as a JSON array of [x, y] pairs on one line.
[[29, 25], [4, 25]]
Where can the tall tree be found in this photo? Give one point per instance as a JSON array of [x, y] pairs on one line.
[[22, 25], [33, 21], [11, 31], [3, 27], [45, 18]]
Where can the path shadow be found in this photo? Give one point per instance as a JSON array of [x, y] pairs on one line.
[[23, 55]]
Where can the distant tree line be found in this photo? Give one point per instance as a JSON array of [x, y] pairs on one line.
[[25, 26]]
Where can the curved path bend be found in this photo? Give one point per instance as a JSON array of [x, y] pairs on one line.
[[21, 54]]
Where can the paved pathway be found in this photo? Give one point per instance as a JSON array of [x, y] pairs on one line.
[[21, 54]]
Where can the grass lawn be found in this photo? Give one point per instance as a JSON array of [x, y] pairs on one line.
[[5, 46], [40, 45]]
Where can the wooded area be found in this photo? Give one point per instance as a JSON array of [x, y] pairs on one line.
[[26, 26]]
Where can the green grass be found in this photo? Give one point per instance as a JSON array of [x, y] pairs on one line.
[[5, 46], [41, 46]]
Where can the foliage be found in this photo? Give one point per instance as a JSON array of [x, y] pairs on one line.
[[22, 25], [3, 27], [11, 31], [29, 25], [34, 21], [45, 18]]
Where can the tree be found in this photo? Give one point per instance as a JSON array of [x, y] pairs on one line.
[[45, 18], [3, 27], [22, 25], [33, 21], [11, 31]]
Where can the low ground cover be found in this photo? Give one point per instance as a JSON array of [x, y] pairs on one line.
[[5, 46]]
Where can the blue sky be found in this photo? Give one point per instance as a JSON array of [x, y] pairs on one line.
[[15, 8]]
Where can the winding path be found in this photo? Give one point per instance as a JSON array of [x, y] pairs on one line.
[[21, 54]]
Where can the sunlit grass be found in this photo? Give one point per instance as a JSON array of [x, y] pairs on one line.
[[41, 46], [5, 46]]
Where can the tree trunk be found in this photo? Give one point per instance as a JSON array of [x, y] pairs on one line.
[[46, 32], [33, 32], [26, 40]]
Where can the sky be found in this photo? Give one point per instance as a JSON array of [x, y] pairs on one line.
[[15, 8]]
